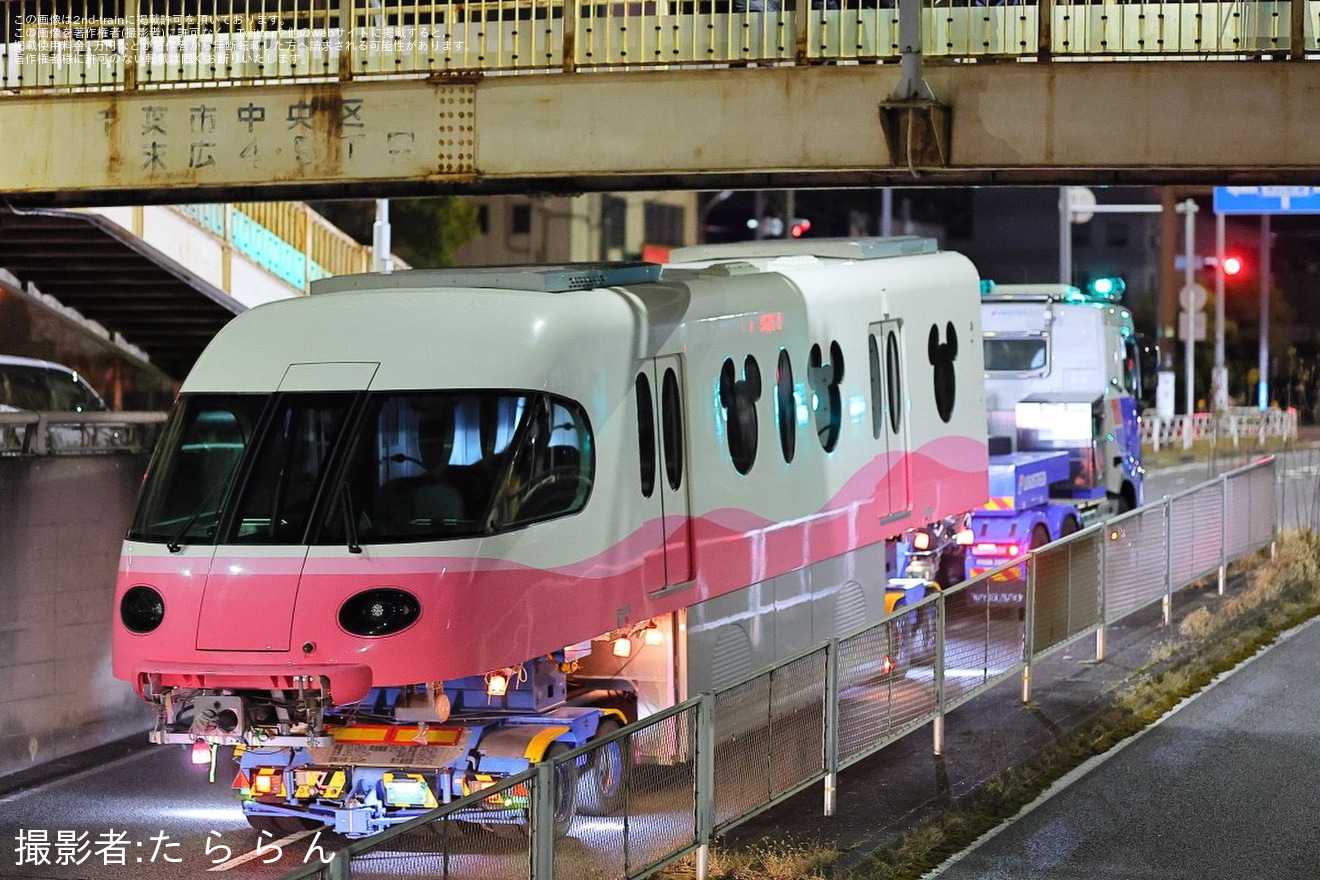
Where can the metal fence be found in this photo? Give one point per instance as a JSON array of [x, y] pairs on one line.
[[707, 765], [1233, 426], [96, 45]]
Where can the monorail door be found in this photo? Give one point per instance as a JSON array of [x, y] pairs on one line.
[[674, 470], [889, 411]]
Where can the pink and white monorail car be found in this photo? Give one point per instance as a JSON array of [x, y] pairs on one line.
[[412, 478]]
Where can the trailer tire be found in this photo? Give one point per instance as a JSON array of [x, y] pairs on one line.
[[1040, 536], [566, 784], [603, 778], [919, 636], [1069, 526]]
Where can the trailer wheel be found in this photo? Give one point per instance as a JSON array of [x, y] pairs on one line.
[[600, 790], [566, 784], [1069, 526], [1040, 536]]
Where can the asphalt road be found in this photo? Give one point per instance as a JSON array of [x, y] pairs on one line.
[[1224, 786], [145, 816]]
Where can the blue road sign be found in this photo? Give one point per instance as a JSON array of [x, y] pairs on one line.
[[1267, 200]]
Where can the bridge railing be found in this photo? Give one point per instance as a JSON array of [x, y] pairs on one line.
[[736, 751], [287, 239], [87, 433], [78, 45]]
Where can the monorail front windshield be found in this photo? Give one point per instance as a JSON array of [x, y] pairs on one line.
[[381, 467]]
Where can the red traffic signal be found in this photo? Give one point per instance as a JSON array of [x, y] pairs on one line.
[[1232, 266], [800, 228]]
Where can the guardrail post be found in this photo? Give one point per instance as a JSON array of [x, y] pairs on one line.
[[1167, 602], [1029, 637], [306, 214], [346, 40], [801, 44], [543, 823], [572, 11], [941, 621], [340, 866], [1105, 541], [705, 798], [1297, 31], [831, 725], [1223, 531], [1044, 30], [1275, 479]]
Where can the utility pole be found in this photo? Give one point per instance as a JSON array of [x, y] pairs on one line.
[[1188, 209], [1219, 377], [1264, 274]]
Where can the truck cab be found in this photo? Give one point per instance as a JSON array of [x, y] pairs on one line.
[[1063, 387], [1074, 360]]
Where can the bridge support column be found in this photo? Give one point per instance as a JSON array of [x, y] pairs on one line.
[[917, 127], [917, 133]]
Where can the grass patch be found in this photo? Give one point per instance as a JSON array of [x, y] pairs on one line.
[[783, 859], [1278, 594]]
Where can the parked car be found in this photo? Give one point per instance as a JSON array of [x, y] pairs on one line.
[[31, 384]]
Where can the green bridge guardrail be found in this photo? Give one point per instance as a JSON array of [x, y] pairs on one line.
[[74, 45]]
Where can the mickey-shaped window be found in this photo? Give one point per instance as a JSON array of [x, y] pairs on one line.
[[942, 356], [785, 407], [738, 396], [826, 400]]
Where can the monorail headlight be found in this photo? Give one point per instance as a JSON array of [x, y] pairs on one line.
[[141, 609], [379, 612]]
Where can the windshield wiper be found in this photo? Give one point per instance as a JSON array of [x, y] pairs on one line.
[[350, 518], [175, 544], [490, 516]]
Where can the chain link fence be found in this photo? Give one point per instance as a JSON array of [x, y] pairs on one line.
[[677, 778]]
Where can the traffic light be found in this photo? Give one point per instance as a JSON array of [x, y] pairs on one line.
[[1107, 287], [1232, 265], [801, 226]]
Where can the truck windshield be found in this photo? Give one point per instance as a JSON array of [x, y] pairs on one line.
[[249, 469], [1015, 354]]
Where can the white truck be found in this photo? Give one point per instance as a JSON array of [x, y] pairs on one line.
[[1064, 385]]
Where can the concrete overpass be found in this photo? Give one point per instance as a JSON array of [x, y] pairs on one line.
[[492, 96]]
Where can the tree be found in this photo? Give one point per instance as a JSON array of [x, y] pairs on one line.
[[424, 232]]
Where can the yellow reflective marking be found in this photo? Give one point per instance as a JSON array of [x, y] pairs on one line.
[[362, 734]]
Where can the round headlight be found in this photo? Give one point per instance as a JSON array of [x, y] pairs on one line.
[[379, 612], [142, 609]]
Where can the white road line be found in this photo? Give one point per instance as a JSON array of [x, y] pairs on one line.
[[1090, 764]]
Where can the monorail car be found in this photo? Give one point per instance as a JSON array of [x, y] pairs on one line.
[[409, 480]]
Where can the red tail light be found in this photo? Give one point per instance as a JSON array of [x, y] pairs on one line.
[[993, 550]]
